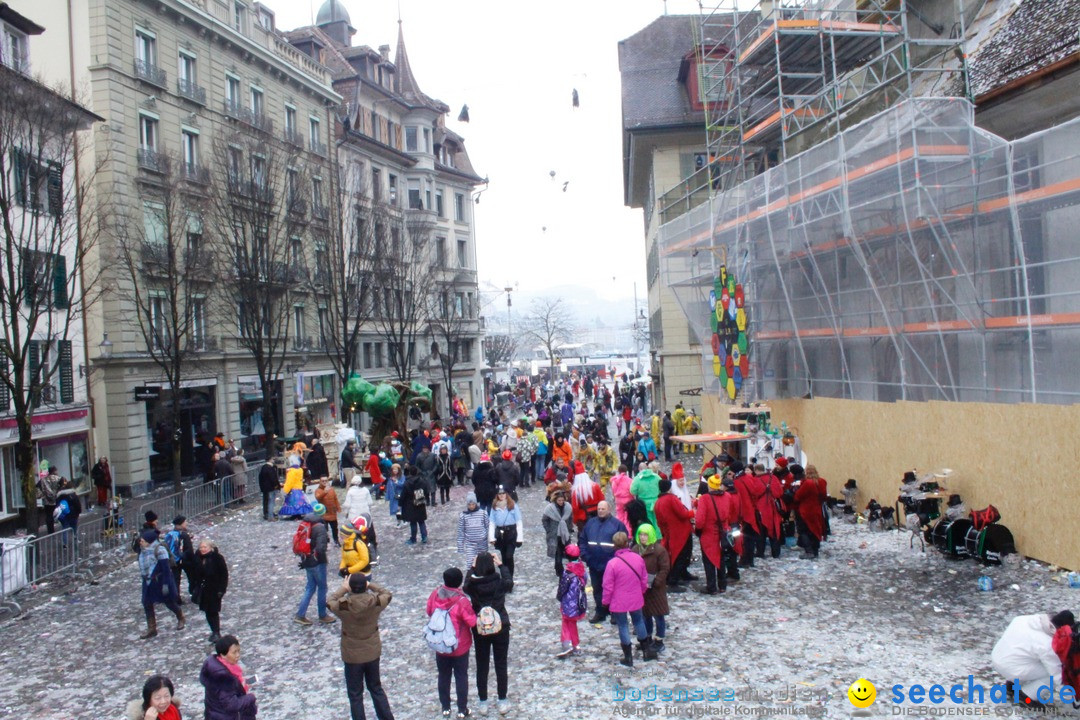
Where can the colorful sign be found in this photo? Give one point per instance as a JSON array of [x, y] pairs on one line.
[[727, 317]]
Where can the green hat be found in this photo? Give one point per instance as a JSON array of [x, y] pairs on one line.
[[319, 509]]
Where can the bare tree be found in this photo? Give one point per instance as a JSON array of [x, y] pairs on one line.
[[403, 276], [451, 323], [258, 212], [548, 324], [49, 224], [500, 350], [166, 265]]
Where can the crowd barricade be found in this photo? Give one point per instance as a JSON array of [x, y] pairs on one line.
[[27, 561]]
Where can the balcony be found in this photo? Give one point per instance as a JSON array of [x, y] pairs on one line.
[[299, 274], [193, 172], [155, 258], [318, 148], [152, 160], [297, 208], [199, 264], [320, 212], [151, 73], [293, 138], [321, 277], [259, 121], [233, 109], [201, 343], [188, 89]]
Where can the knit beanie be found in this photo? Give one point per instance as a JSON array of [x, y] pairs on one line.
[[452, 578]]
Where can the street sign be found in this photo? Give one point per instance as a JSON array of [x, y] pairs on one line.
[[147, 393]]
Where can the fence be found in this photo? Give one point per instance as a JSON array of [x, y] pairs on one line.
[[25, 562]]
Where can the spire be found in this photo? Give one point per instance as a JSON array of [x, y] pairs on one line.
[[407, 86]]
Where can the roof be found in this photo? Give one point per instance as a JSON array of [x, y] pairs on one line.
[[333, 11], [407, 86], [649, 62], [76, 116], [19, 22], [1036, 35]]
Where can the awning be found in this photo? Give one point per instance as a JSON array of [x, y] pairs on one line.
[[715, 437]]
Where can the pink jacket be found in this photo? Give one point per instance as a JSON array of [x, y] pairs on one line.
[[461, 612], [625, 582], [620, 488]]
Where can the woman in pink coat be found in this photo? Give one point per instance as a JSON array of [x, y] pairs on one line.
[[620, 488], [625, 583]]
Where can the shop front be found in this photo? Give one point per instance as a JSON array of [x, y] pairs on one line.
[[198, 424], [255, 426], [316, 401], [61, 439]]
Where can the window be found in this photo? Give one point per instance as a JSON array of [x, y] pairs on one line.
[[468, 305], [393, 190], [44, 278], [36, 181], [411, 139], [376, 184], [298, 325], [292, 187], [377, 351], [367, 356], [459, 207], [236, 165], [459, 305], [258, 172], [324, 325], [145, 48], [257, 101], [427, 140], [391, 136], [314, 132], [444, 305], [415, 202], [189, 141], [316, 193], [296, 252], [198, 323], [158, 324], [185, 69], [239, 16], [148, 132], [439, 210], [14, 52], [374, 126], [462, 253], [440, 251], [232, 93], [290, 125]]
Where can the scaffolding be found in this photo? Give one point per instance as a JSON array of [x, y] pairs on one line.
[[853, 238]]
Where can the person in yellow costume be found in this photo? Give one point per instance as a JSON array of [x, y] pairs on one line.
[[654, 428], [296, 504], [691, 427], [679, 417], [606, 461], [355, 557]]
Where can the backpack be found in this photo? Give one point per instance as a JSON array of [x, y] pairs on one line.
[[301, 542], [439, 632], [62, 509], [488, 621], [419, 498], [172, 544], [573, 603]]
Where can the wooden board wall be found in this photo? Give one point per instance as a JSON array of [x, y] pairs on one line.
[[1021, 458]]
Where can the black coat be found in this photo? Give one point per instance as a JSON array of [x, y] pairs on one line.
[[507, 474], [410, 511], [211, 580], [222, 468], [316, 462], [490, 590], [484, 483], [444, 473], [268, 478]]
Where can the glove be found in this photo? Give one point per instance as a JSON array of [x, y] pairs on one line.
[[343, 573], [517, 544]]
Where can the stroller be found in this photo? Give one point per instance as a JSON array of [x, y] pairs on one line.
[[114, 520]]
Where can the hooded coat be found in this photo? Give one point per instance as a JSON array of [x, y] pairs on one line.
[[657, 565], [674, 521], [808, 500], [1025, 652], [316, 462], [766, 505], [490, 591], [410, 511], [646, 487], [359, 614], [750, 490], [224, 697], [455, 602], [625, 582]]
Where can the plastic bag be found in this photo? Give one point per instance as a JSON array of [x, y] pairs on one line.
[[420, 389], [357, 392], [383, 400]]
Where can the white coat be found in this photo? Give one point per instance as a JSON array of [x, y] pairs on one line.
[[357, 502], [1024, 653]]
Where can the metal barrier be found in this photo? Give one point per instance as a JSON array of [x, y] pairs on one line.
[[25, 562]]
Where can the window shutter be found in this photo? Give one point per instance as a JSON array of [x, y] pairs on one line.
[[29, 276], [56, 190], [60, 290], [33, 380], [67, 380], [18, 165], [5, 394]]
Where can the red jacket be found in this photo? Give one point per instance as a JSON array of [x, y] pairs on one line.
[[808, 500], [373, 469], [766, 505], [457, 603], [674, 521], [584, 510], [715, 516], [750, 490]]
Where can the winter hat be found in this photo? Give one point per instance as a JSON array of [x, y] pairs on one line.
[[781, 462], [1063, 618], [728, 483], [150, 516], [714, 482], [319, 509], [507, 455], [539, 424], [737, 467], [358, 583], [357, 481], [452, 578], [359, 524], [677, 471], [572, 551], [470, 499], [149, 535], [665, 486], [578, 467]]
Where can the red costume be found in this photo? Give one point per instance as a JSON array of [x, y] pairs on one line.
[[373, 469], [715, 515], [674, 521], [750, 490], [808, 500], [584, 510], [766, 505]]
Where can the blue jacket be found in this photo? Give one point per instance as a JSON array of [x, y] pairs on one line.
[[646, 446], [567, 413], [595, 541]]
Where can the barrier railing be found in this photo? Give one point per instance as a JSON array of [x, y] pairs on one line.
[[27, 561]]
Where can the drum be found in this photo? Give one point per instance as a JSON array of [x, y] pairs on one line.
[[990, 544], [948, 537]]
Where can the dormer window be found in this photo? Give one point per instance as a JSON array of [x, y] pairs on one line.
[[15, 51]]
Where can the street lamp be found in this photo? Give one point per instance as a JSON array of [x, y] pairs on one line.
[[105, 347], [509, 359]]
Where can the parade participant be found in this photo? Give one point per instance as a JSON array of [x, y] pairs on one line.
[[210, 573], [395, 482], [823, 491], [558, 526], [227, 695], [676, 526], [561, 449], [667, 429], [807, 500], [269, 484], [444, 473], [607, 461], [717, 512], [355, 555], [456, 608], [313, 563], [358, 604], [295, 504], [620, 491], [374, 470], [584, 496], [573, 601], [158, 584], [691, 427], [1025, 653], [526, 451], [487, 585], [658, 567], [646, 487], [751, 491], [679, 418], [597, 549], [770, 516], [625, 583], [327, 495], [679, 488], [158, 701], [557, 471], [473, 526], [656, 427], [414, 505], [508, 473], [505, 530]]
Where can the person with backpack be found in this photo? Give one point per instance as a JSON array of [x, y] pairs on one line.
[[448, 633], [472, 536], [310, 543], [355, 557], [487, 586], [181, 551], [505, 530], [327, 495], [209, 574], [573, 601], [414, 496], [70, 508], [158, 585], [657, 565], [625, 583], [358, 604]]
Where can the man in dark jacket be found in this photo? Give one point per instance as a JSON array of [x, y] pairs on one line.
[[508, 473], [597, 549], [668, 429], [314, 564], [347, 463], [358, 603], [428, 465], [269, 484], [485, 482], [222, 471], [316, 461]]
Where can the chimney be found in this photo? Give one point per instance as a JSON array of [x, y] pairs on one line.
[[384, 50]]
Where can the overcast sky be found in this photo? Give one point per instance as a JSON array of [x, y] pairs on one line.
[[516, 64]]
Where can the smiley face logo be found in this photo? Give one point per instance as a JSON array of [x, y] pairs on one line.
[[862, 693]]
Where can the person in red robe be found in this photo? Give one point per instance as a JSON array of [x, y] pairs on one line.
[[823, 488], [585, 495], [717, 512], [767, 510], [750, 490], [377, 479], [676, 523], [807, 501]]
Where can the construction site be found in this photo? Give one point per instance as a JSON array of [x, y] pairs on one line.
[[894, 274]]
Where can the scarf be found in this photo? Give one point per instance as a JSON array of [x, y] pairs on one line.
[[148, 560], [236, 670], [552, 511]]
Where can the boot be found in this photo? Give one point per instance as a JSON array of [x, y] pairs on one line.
[[567, 648], [627, 656], [180, 622], [597, 618], [648, 652], [658, 645], [151, 629]]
